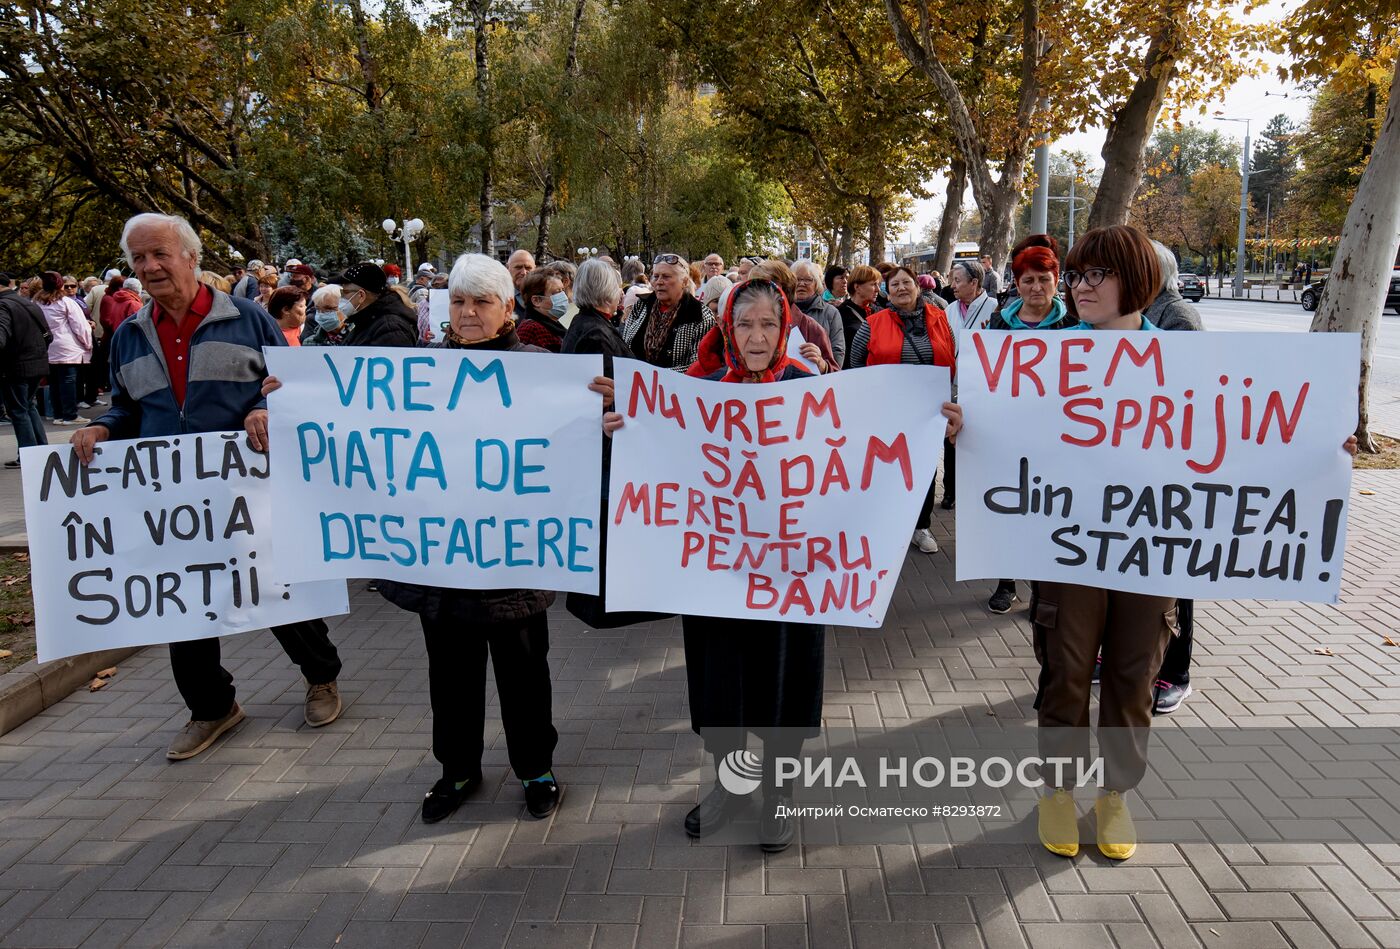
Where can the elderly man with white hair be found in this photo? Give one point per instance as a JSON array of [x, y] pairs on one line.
[[809, 300], [519, 264], [191, 360]]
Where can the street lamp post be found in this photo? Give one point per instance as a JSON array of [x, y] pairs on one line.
[[407, 233], [1244, 205]]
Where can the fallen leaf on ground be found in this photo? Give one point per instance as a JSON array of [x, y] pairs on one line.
[[1389, 642], [96, 684], [1214, 932], [107, 673], [1364, 491], [1324, 651], [6, 653], [22, 558]]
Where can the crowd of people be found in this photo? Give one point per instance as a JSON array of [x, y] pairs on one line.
[[733, 326]]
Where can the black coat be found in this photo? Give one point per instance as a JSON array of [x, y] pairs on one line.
[[469, 606], [593, 332], [24, 351], [388, 321], [752, 675], [852, 319]]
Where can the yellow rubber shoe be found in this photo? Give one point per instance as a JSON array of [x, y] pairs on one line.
[[1117, 835], [1059, 823]]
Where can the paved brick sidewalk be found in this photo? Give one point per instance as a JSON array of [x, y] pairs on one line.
[[284, 836]]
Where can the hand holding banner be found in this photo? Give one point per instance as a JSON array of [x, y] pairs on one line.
[[449, 467], [1205, 465], [787, 501], [158, 540]]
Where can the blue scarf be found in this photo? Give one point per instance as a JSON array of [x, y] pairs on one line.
[[1146, 325], [1011, 315]]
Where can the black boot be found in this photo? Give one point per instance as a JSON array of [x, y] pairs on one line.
[[776, 827], [714, 811]]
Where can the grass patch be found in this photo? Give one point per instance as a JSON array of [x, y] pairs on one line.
[[1389, 456], [16, 612]]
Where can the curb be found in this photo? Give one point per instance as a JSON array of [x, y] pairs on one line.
[[34, 686]]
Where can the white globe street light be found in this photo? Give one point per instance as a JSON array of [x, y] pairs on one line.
[[407, 233]]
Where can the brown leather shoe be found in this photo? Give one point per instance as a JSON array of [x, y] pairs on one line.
[[196, 736], [322, 704]]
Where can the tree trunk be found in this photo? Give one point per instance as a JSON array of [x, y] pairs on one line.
[[845, 243], [875, 210], [1354, 297], [488, 147], [548, 205], [996, 198], [1125, 149], [952, 216], [999, 222], [546, 215]]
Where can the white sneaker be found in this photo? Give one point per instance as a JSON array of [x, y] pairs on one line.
[[73, 421], [924, 540], [84, 405]]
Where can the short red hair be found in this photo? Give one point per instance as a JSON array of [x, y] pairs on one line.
[[1038, 252]]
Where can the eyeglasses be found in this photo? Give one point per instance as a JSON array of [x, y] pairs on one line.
[[673, 259], [1092, 277]]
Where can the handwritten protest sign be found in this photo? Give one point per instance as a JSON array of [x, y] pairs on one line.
[[158, 540], [474, 470], [788, 501], [1205, 465]]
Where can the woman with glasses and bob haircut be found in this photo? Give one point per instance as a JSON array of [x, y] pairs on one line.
[[1112, 274]]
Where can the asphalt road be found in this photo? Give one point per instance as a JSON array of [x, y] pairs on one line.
[[1257, 316]]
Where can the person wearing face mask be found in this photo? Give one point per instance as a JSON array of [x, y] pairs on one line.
[[325, 324], [374, 316], [545, 304]]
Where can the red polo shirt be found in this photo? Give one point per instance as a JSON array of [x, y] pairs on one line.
[[175, 338]]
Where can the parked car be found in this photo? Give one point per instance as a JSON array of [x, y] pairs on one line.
[[1190, 287], [1313, 294]]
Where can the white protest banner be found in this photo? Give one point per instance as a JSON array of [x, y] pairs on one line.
[[787, 501], [1198, 465], [448, 467], [794, 350], [158, 540], [439, 309]]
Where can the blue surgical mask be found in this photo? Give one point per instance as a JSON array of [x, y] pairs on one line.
[[328, 319], [558, 304], [347, 308]]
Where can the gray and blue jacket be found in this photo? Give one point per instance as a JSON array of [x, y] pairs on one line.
[[224, 384]]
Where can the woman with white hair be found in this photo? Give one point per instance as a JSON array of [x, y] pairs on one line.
[[1170, 310], [325, 323], [597, 294], [461, 627], [808, 278]]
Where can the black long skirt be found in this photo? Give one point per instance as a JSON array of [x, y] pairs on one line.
[[752, 676]]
